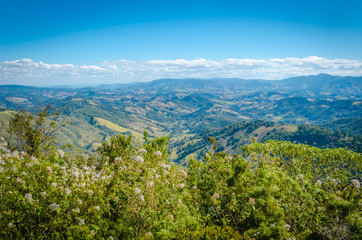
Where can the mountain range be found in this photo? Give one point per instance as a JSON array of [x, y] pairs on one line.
[[190, 109]]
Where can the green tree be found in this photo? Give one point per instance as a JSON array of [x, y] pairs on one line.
[[34, 134]]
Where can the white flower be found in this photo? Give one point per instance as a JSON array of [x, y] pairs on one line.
[[54, 206], [150, 184], [183, 173], [355, 183], [10, 225], [76, 210], [68, 191], [98, 208], [319, 183], [33, 158], [158, 154], [181, 185], [110, 238], [139, 159], [80, 201], [179, 201], [2, 139], [90, 192], [49, 169], [93, 232], [1, 169], [142, 198], [142, 151], [157, 176], [215, 196], [54, 184], [117, 160], [194, 187], [287, 226], [28, 197], [137, 190], [149, 234], [43, 194], [170, 217], [80, 221], [333, 181], [60, 153], [75, 174]]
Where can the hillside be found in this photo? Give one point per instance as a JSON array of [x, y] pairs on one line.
[[189, 109], [231, 137]]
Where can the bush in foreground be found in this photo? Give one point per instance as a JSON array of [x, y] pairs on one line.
[[274, 190]]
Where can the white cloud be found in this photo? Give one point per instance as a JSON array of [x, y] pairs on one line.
[[27, 71]]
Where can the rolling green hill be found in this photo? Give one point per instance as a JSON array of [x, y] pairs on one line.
[[231, 137], [190, 110]]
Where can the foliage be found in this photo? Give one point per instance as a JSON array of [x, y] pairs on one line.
[[33, 134], [271, 191]]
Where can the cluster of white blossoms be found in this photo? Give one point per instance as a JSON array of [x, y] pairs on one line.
[[150, 184], [139, 159], [170, 217], [68, 191], [215, 196], [287, 226], [183, 173], [158, 154], [54, 206], [3, 145], [80, 221], [137, 190], [165, 166], [117, 160], [60, 153], [355, 183], [29, 197], [142, 151]]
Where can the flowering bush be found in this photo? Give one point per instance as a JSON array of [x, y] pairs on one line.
[[129, 198], [133, 192]]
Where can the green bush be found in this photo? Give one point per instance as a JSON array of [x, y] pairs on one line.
[[276, 190]]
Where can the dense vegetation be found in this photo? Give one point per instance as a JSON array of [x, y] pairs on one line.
[[274, 190], [245, 160], [233, 136]]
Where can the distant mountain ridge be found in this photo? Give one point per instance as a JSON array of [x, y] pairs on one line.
[[317, 86]]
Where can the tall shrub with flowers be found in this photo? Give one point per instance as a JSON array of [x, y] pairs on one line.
[[274, 190]]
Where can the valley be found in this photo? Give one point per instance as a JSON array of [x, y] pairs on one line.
[[319, 110]]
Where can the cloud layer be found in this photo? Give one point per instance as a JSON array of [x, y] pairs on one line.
[[29, 72]]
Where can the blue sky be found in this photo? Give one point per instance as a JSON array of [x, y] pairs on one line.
[[42, 35]]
